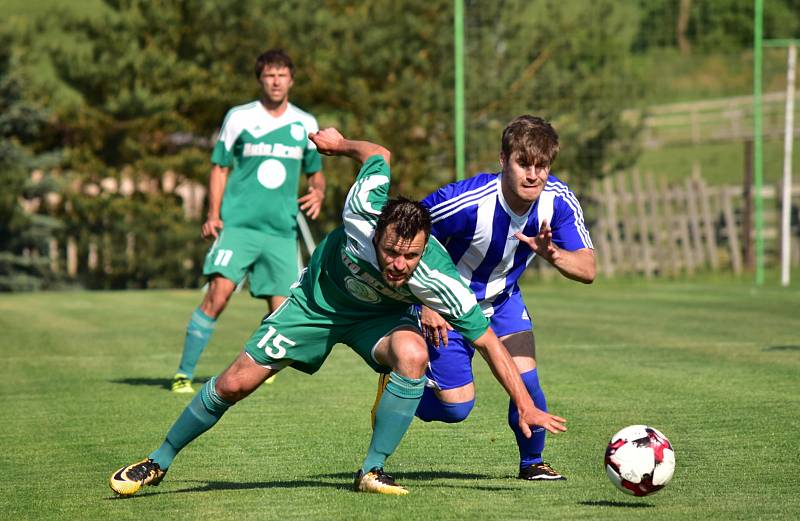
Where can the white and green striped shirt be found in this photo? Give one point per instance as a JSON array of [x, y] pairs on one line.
[[348, 274]]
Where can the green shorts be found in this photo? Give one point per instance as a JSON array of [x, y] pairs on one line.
[[270, 262], [297, 335]]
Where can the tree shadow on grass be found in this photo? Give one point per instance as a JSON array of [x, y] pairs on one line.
[[164, 383], [615, 504], [783, 348]]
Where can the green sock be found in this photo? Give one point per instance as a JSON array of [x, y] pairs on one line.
[[198, 333], [205, 409], [395, 412]]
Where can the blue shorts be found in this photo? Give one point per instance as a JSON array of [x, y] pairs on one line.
[[451, 366]]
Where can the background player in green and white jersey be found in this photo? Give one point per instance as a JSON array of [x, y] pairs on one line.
[[263, 147], [356, 290]]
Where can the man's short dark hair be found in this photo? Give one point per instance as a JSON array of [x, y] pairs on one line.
[[531, 140], [409, 218], [273, 58]]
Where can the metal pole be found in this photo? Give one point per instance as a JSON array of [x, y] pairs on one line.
[[786, 204], [758, 141], [305, 233], [458, 19], [308, 241]]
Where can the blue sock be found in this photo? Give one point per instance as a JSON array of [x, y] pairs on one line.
[[198, 333], [394, 415], [530, 449], [202, 413], [432, 409]]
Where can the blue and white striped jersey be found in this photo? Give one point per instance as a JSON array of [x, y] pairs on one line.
[[475, 224]]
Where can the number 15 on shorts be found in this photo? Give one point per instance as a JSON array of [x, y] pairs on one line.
[[276, 350]]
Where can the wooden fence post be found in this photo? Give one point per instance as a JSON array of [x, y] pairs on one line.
[[694, 223], [659, 219], [708, 224], [130, 248], [108, 253], [53, 253], [600, 233], [630, 248], [747, 206], [731, 230], [612, 224], [674, 222], [603, 249], [641, 216], [92, 257], [72, 257]]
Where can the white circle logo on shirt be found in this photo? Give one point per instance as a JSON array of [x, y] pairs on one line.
[[361, 291], [298, 132], [271, 173]]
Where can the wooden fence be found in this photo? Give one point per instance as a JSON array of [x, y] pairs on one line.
[[724, 119], [642, 225], [639, 225]]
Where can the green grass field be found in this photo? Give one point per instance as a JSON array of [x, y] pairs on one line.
[[714, 364]]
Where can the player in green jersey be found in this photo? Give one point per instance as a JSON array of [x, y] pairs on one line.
[[263, 147], [357, 290]]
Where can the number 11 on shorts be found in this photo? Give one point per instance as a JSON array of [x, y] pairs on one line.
[[223, 257]]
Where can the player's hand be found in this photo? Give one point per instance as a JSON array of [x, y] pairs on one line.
[[329, 141], [539, 418], [210, 227], [311, 203], [542, 244], [434, 327]]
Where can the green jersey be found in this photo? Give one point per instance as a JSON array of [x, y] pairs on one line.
[[345, 274], [266, 155]]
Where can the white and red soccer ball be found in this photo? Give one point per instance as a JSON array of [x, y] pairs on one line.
[[639, 460]]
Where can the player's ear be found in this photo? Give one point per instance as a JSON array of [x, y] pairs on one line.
[[502, 161]]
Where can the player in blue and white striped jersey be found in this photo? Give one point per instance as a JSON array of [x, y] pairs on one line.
[[493, 225]]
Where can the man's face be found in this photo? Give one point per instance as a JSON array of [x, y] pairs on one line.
[[524, 183], [398, 257], [276, 82]]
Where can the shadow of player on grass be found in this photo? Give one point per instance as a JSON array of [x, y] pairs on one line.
[[615, 504], [343, 482], [164, 383]]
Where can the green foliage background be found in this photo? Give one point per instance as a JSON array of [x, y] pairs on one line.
[[22, 124], [137, 88]]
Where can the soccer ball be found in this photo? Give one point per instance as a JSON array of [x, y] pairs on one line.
[[639, 460]]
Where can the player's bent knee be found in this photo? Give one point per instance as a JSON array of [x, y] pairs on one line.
[[417, 358], [232, 388], [431, 408], [409, 358], [457, 412]]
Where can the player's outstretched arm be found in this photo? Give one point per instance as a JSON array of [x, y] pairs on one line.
[[507, 374], [331, 142], [576, 265]]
